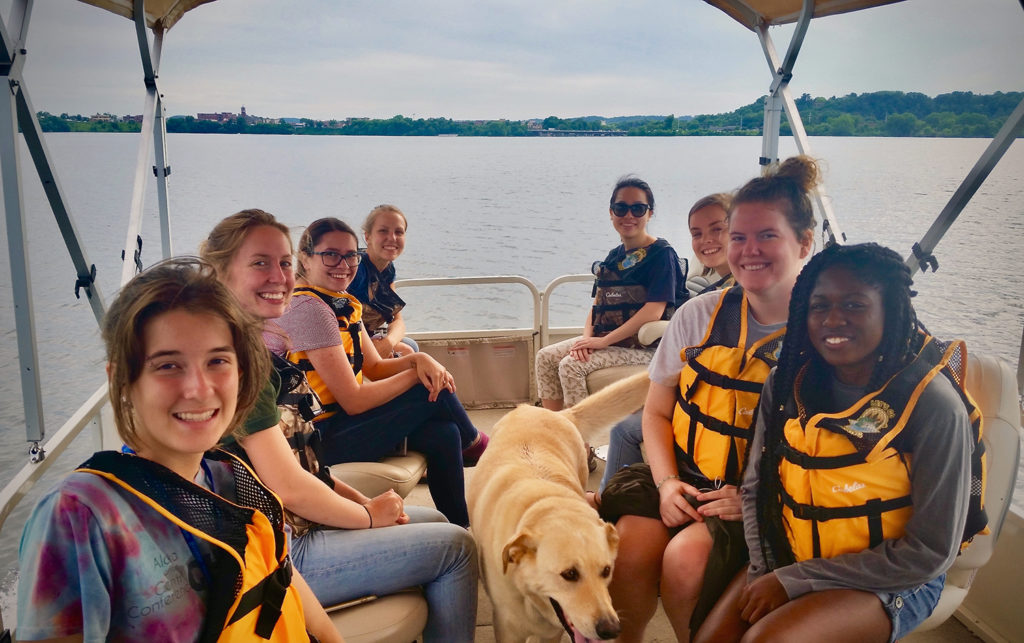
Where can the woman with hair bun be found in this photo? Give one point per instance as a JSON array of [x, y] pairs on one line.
[[861, 485], [706, 379]]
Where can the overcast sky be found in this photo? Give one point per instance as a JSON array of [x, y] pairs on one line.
[[470, 59]]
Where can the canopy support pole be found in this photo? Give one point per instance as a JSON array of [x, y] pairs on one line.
[[17, 110], [921, 256], [153, 136], [779, 99]]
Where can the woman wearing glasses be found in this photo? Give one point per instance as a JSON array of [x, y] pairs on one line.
[[638, 282], [412, 396]]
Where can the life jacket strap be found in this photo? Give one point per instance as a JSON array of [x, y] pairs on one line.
[[721, 381], [806, 461], [874, 507], [268, 596], [710, 423]]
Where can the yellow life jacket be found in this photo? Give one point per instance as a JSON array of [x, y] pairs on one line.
[[251, 596], [845, 485], [349, 312], [719, 391]]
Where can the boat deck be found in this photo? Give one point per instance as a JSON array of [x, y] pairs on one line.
[[659, 630]]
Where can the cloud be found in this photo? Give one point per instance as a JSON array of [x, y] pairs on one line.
[[494, 59]]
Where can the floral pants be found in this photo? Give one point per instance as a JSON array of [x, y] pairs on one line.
[[563, 377]]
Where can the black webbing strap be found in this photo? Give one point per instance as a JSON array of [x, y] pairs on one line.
[[874, 507], [267, 595], [710, 423], [819, 462], [722, 381]]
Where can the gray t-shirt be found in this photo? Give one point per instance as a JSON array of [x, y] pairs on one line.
[[687, 328], [938, 438]]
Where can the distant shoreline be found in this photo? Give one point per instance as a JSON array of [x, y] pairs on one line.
[[875, 114]]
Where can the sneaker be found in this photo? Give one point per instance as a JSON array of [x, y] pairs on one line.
[[471, 454]]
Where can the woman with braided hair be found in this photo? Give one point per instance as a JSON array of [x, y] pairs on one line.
[[706, 379], [856, 497]]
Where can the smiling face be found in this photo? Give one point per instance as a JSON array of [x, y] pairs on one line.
[[185, 397], [632, 230], [764, 252], [261, 272], [386, 239], [709, 237], [845, 322], [335, 278]]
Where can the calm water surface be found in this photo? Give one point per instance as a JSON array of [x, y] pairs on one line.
[[532, 207]]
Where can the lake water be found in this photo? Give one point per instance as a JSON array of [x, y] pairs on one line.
[[534, 207]]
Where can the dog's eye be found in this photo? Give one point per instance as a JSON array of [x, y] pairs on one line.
[[572, 575], [606, 572]]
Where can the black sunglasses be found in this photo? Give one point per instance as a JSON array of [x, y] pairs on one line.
[[332, 258], [620, 208]]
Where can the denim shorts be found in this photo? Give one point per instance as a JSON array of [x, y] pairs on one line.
[[909, 608]]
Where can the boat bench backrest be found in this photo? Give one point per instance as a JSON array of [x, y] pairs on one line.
[[992, 384]]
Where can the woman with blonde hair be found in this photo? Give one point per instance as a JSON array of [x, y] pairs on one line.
[[345, 544], [374, 284]]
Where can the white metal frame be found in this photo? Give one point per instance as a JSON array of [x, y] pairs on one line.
[[779, 98]]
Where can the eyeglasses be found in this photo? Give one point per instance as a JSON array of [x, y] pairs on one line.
[[620, 208], [332, 258]]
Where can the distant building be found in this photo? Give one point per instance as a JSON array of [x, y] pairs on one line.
[[218, 117], [103, 118], [128, 118]]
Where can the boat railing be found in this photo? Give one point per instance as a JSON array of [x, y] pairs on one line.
[[494, 367], [95, 414]]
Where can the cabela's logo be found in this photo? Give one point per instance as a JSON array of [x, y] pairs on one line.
[[874, 419]]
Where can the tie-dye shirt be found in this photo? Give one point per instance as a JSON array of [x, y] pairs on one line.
[[98, 561]]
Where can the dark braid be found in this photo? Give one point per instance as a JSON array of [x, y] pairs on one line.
[[875, 266]]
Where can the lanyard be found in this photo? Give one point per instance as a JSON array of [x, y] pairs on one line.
[[190, 539]]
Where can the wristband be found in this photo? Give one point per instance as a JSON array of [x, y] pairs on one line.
[[664, 480], [369, 515]]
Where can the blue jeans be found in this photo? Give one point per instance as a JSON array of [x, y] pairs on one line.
[[411, 343], [910, 608], [342, 564], [439, 430], [624, 446]]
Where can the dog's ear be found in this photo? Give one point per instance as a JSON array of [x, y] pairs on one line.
[[613, 538], [516, 549]]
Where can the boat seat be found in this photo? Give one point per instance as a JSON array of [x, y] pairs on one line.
[[992, 384], [399, 472], [648, 334], [395, 618]]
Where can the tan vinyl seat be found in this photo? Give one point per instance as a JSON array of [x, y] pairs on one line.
[[399, 472], [992, 384], [395, 618], [648, 334]]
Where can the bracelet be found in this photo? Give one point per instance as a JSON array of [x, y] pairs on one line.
[[369, 515], [664, 480]]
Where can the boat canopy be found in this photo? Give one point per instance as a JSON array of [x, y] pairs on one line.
[[751, 13], [161, 15]]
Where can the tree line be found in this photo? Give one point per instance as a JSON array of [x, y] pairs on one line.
[[886, 113]]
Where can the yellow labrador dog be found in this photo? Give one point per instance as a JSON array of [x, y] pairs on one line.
[[545, 555]]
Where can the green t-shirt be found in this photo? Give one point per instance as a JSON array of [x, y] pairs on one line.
[[265, 413]]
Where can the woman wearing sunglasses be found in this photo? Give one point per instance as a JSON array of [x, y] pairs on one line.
[[410, 397], [638, 282]]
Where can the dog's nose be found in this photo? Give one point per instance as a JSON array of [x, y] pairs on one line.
[[608, 628]]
